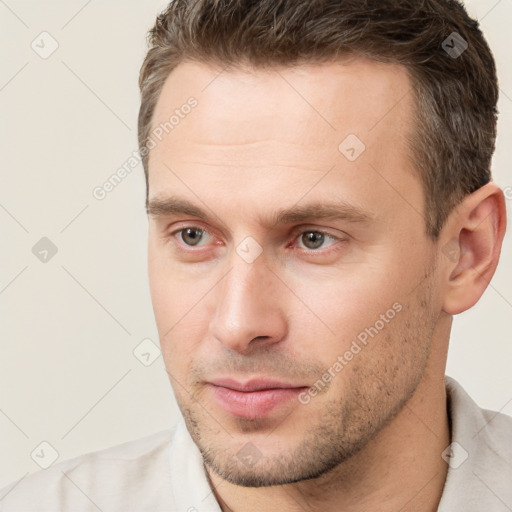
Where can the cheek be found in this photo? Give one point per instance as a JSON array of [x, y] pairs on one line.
[[168, 309], [170, 288], [180, 304], [163, 293], [341, 305]]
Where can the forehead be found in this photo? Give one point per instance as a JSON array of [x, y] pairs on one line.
[[254, 128], [353, 94]]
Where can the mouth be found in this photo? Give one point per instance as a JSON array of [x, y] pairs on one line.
[[255, 398]]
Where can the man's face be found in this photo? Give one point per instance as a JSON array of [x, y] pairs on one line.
[[247, 293]]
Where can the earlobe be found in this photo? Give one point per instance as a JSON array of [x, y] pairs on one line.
[[470, 247]]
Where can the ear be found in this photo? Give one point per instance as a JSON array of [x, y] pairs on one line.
[[470, 246]]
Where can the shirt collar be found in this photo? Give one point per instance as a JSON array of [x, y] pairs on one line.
[[479, 461], [189, 483]]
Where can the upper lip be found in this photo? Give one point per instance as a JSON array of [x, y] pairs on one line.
[[256, 384]]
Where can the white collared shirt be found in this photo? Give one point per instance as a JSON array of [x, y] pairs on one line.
[[165, 473]]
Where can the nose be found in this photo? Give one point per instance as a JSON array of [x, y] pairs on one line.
[[248, 312]]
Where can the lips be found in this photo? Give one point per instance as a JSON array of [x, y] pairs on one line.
[[256, 384], [255, 398]]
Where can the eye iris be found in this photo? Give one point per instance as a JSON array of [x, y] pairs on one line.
[[194, 238], [314, 238]]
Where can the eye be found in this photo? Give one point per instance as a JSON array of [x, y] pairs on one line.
[[191, 236], [313, 240], [310, 240]]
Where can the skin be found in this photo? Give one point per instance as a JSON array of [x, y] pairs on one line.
[[264, 140]]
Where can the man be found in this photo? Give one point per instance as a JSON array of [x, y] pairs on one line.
[[320, 206]]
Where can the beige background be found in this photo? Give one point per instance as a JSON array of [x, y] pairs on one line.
[[69, 326]]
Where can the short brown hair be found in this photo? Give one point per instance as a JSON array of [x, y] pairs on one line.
[[456, 93]]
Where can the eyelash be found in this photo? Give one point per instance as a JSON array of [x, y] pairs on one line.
[[296, 236]]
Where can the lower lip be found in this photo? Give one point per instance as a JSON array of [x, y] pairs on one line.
[[254, 404]]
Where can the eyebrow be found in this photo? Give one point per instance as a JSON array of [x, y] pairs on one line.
[[320, 210]]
